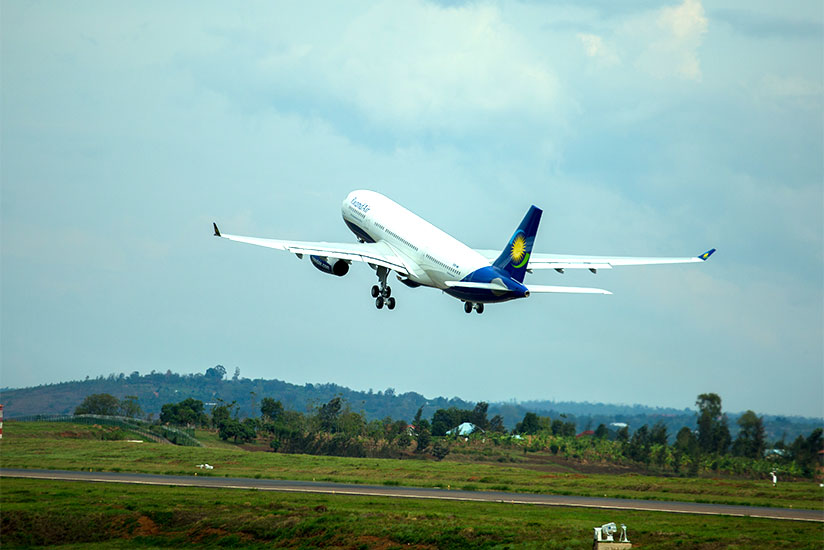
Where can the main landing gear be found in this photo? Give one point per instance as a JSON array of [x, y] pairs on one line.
[[469, 306], [383, 293]]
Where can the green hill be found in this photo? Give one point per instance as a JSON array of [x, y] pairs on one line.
[[155, 389]]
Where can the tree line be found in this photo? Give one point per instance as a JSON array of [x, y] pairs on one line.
[[707, 447], [333, 428], [155, 389]]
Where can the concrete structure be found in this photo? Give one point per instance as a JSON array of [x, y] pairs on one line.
[[603, 537]]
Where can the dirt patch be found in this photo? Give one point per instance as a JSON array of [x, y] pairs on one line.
[[146, 527], [255, 447]]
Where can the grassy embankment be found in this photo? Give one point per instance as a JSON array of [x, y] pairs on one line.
[[79, 447], [91, 515]]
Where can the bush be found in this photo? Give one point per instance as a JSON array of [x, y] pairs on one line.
[[440, 450]]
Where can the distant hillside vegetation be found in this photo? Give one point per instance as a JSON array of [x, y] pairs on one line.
[[155, 389]]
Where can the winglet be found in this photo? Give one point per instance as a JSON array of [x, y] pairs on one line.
[[217, 231], [706, 255]]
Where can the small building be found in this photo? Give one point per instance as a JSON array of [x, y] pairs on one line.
[[775, 453], [467, 428]]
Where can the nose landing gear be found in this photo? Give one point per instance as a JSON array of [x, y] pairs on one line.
[[469, 306]]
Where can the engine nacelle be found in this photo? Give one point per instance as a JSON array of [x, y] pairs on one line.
[[337, 267]]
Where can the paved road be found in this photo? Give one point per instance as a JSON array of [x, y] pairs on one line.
[[413, 492]]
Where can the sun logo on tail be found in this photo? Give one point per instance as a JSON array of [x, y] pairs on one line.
[[518, 251]]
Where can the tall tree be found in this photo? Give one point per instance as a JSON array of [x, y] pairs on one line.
[[222, 413], [529, 425], [130, 407], [805, 450], [239, 431], [713, 432], [445, 419], [658, 434], [328, 415], [417, 418], [686, 444], [559, 427], [686, 441], [496, 424], [751, 439], [99, 403], [188, 412], [270, 409], [478, 416], [216, 373], [639, 445], [424, 436]]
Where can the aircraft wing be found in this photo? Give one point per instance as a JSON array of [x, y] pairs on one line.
[[372, 253], [561, 262]]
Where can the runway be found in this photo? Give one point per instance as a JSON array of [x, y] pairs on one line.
[[421, 493]]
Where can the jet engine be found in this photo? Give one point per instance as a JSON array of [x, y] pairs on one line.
[[337, 267]]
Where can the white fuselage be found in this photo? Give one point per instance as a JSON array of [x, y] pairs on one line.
[[431, 255]]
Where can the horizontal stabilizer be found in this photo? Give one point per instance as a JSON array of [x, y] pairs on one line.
[[498, 287], [532, 288], [567, 289]]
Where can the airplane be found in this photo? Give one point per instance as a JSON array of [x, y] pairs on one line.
[[391, 238]]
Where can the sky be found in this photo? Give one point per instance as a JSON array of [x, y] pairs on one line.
[[641, 129]]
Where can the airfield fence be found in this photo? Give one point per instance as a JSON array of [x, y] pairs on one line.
[[156, 432]]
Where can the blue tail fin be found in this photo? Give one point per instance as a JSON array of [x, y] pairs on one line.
[[515, 257]]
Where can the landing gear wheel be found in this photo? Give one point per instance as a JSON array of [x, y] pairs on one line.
[[468, 307], [375, 291], [479, 308], [379, 302], [387, 292], [390, 303]]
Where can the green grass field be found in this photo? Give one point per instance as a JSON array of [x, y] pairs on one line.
[[91, 515], [78, 447]]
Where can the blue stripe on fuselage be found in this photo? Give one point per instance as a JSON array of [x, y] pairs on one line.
[[487, 275], [360, 233]]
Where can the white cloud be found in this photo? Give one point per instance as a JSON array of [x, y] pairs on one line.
[[594, 47], [419, 65], [791, 87], [674, 40], [406, 65]]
